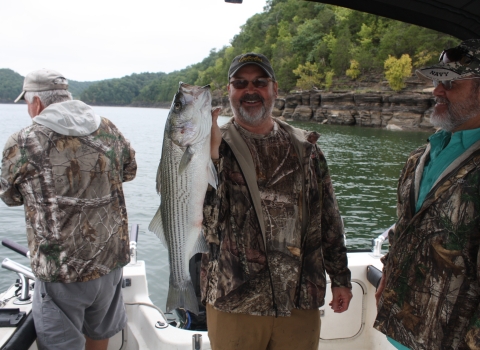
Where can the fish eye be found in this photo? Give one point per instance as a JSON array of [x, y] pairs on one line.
[[177, 106]]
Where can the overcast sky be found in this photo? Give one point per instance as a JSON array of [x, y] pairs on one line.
[[101, 39]]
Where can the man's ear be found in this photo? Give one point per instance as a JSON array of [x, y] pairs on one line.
[[38, 105]]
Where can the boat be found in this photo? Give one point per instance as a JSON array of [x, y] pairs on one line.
[[149, 327], [460, 19]]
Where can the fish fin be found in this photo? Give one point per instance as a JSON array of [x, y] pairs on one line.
[[212, 175], [200, 246], [156, 226], [182, 297], [186, 158]]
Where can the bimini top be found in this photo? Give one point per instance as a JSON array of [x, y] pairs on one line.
[[459, 18]]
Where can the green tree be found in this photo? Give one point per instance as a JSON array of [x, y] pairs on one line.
[[309, 75], [308, 35], [397, 70], [329, 79], [364, 48], [118, 92], [77, 87], [423, 58], [11, 84], [284, 59], [340, 56], [400, 38], [354, 70]]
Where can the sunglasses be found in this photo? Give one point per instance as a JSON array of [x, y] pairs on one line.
[[447, 84], [456, 55], [243, 83]]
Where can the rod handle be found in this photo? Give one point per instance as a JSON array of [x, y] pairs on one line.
[[20, 249]]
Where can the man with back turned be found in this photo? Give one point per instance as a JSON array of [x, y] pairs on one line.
[[273, 225], [429, 296], [67, 169]]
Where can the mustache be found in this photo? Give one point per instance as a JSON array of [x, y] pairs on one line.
[[441, 100], [251, 97]]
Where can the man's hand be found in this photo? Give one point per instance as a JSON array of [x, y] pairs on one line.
[[381, 287], [216, 135], [341, 297]]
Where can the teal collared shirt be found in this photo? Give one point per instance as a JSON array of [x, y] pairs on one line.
[[397, 344], [445, 148]]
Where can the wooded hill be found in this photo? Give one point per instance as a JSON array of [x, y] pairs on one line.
[[11, 84], [309, 45]]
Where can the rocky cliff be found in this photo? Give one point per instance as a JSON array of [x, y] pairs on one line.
[[402, 111]]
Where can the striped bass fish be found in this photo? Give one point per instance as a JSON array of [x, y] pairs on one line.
[[183, 176]]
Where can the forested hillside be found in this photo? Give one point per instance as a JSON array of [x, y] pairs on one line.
[[11, 84], [310, 45], [315, 42], [118, 92], [76, 87]]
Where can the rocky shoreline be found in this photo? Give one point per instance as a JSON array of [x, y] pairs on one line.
[[366, 102], [409, 110]]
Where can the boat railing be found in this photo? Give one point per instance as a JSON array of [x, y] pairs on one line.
[[133, 243], [378, 242], [24, 274]]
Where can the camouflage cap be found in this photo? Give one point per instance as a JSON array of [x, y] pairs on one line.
[[251, 58], [456, 68]]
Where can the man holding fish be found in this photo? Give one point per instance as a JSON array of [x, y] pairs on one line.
[[272, 225]]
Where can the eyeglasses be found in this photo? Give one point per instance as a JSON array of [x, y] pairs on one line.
[[447, 84], [243, 83], [456, 55]]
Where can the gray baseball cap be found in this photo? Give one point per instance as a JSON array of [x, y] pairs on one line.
[[459, 62], [43, 80]]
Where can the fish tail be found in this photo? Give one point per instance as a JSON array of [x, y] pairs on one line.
[[182, 297]]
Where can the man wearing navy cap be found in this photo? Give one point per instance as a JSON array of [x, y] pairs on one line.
[[429, 296], [273, 225]]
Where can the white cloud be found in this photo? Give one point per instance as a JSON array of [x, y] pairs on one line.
[[101, 39]]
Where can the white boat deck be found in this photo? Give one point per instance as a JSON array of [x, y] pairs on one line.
[[349, 330], [147, 328]]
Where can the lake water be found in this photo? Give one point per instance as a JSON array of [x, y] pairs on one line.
[[365, 165]]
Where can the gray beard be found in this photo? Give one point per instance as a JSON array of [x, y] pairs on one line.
[[253, 118], [456, 114]]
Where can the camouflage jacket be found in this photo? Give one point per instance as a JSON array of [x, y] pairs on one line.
[[295, 216], [432, 294], [71, 188]]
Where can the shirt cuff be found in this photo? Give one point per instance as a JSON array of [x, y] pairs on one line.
[[341, 280]]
